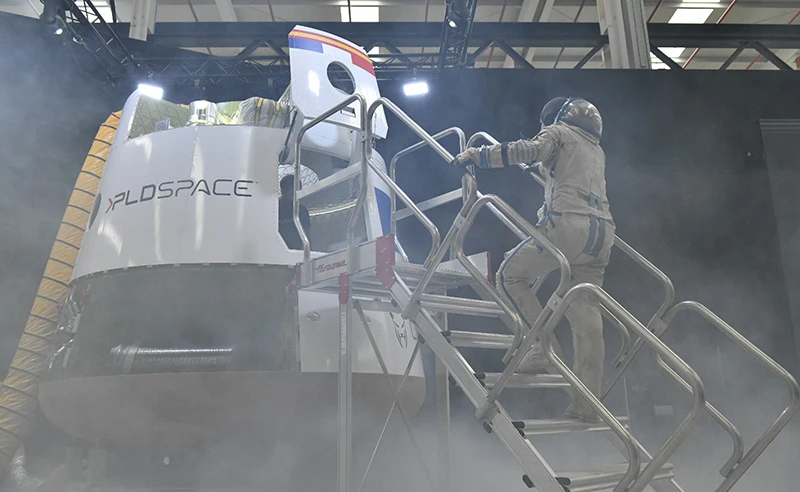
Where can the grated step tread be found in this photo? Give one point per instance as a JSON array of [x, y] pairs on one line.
[[473, 339], [526, 381], [561, 426], [605, 478]]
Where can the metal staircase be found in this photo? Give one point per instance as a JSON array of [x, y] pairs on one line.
[[376, 275]]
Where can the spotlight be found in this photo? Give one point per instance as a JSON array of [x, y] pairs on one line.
[[416, 88], [53, 17], [151, 91], [457, 13]]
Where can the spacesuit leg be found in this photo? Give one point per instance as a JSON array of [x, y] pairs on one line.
[[518, 273], [586, 323]]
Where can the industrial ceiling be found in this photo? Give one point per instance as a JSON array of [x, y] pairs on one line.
[[204, 26]]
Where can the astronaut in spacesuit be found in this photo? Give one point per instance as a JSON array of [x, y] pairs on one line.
[[575, 217]]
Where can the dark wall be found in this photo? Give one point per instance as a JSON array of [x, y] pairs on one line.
[[50, 112]]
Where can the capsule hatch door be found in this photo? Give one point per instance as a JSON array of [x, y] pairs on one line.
[[318, 61]]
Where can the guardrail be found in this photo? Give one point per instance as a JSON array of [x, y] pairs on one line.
[[738, 463], [773, 430], [362, 106], [473, 202], [544, 324]]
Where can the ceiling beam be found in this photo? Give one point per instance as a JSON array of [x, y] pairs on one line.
[[428, 34], [771, 57], [519, 59], [531, 11]]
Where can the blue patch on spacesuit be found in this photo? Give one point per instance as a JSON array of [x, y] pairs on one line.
[[601, 238], [504, 153]]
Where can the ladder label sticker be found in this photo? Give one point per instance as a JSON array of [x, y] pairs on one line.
[[327, 267]]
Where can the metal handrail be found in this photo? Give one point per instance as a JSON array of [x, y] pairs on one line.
[[698, 391], [727, 425], [419, 145], [361, 197], [481, 135], [527, 230], [521, 344], [544, 319], [486, 407], [468, 183], [655, 325], [794, 390], [625, 336], [419, 214]]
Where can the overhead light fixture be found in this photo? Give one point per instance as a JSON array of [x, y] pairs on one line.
[[416, 88], [360, 14], [457, 13], [673, 52], [59, 27], [53, 17], [690, 16], [151, 91]]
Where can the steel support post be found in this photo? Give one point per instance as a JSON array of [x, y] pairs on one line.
[[345, 385], [443, 424], [442, 378], [626, 26]]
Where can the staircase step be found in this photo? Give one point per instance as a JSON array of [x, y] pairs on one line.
[[605, 478], [460, 305], [561, 426], [325, 271], [526, 381], [380, 301], [472, 339]]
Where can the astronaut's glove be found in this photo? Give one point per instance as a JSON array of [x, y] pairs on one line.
[[469, 157], [541, 212]]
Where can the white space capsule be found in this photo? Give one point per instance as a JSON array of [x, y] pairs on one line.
[[187, 333]]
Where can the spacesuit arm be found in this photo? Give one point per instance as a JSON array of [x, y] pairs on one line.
[[540, 148]]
